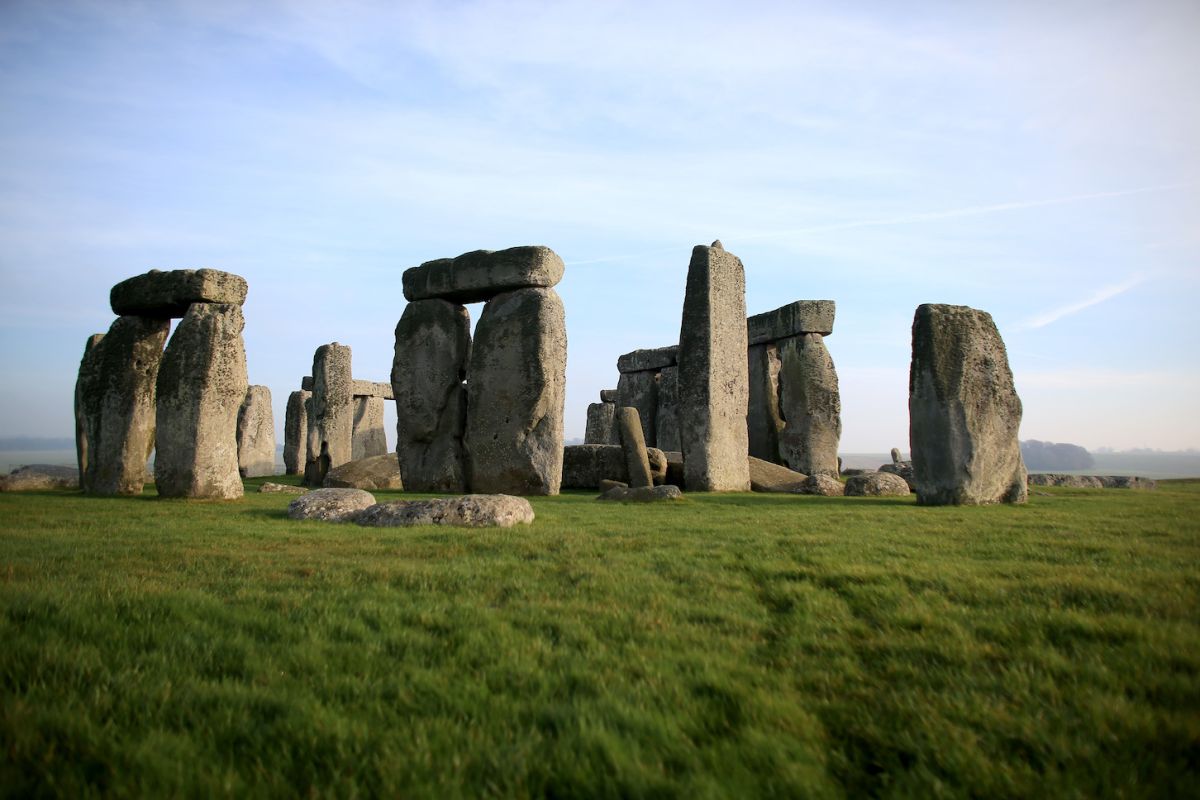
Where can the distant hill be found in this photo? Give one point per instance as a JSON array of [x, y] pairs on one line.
[[1052, 456]]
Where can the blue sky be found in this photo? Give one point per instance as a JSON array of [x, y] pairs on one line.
[[1036, 160]]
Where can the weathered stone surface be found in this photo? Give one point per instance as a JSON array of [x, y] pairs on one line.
[[608, 396], [794, 319], [653, 360], [666, 416], [295, 432], [201, 386], [468, 511], [810, 404], [764, 422], [331, 505], [168, 294], [370, 439], [371, 473], [517, 387], [674, 474], [640, 390], [768, 477], [713, 391], [331, 413], [433, 345], [483, 274], [1071, 481], [601, 424], [86, 378], [896, 455], [823, 485], [1127, 482], [633, 445], [606, 484], [876, 484], [658, 465], [902, 468], [642, 494], [256, 434], [373, 389], [39, 477], [964, 413], [116, 388], [281, 488], [586, 466]]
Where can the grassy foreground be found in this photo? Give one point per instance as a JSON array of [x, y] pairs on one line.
[[725, 646]]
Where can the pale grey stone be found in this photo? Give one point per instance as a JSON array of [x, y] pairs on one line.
[[712, 374], [640, 390], [964, 413], [666, 416], [764, 422], [637, 462], [895, 455], [649, 360], [483, 274], [516, 390], [794, 319], [608, 396], [822, 485], [201, 386], [370, 439], [876, 484], [295, 432], [601, 424], [168, 294], [1127, 482], [642, 494], [468, 511], [902, 468], [373, 389], [39, 477], [433, 346], [281, 488], [810, 404], [766, 476], [116, 388], [331, 418], [331, 505], [371, 473], [256, 434], [85, 379]]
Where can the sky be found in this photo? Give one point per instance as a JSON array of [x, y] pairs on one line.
[[1035, 160]]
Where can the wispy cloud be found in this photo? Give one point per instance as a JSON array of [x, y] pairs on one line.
[[1054, 315]]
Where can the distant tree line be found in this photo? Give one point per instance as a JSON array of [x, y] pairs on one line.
[[1040, 456]]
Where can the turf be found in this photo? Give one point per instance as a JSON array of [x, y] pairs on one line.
[[724, 646]]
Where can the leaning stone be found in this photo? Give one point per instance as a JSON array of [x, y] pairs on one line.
[[369, 436], [794, 319], [666, 416], [764, 422], [168, 294], [331, 415], [295, 432], [712, 373], [118, 380], [902, 468], [483, 274], [39, 477], [86, 378], [433, 345], [640, 390], [468, 511], [642, 494], [601, 424], [876, 484], [768, 477], [606, 484], [811, 406], [372, 473], [372, 389], [256, 434], [653, 360], [281, 488], [608, 395], [331, 505], [201, 387], [637, 462], [517, 387], [822, 485], [964, 413]]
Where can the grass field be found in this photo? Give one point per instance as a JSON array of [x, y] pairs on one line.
[[725, 646]]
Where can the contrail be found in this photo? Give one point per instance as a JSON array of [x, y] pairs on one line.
[[1107, 293]]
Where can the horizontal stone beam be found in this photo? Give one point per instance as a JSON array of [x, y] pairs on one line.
[[358, 388], [608, 395], [168, 294], [794, 319], [644, 360], [482, 274]]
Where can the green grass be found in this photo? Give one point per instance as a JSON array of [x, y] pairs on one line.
[[725, 646]]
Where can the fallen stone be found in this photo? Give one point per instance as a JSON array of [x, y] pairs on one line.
[[606, 484], [39, 477], [468, 511], [876, 484], [85, 379], [295, 432], [370, 439], [964, 413], [281, 488], [330, 505], [768, 477], [256, 434], [764, 422], [483, 274], [1127, 482], [822, 485], [902, 468], [666, 416], [331, 413], [371, 473], [1071, 481], [642, 494], [653, 359], [168, 294], [601, 424], [608, 395], [640, 390], [794, 319], [811, 406]]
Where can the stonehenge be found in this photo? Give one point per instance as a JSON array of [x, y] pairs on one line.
[[633, 445], [295, 432], [256, 434], [601, 423], [366, 411], [330, 441]]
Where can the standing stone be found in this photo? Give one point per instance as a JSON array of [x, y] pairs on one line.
[[764, 422], [295, 432], [712, 373], [640, 390], [331, 420], [87, 377], [116, 391], [810, 404], [201, 387], [666, 416], [637, 461], [601, 424], [964, 413], [256, 434], [433, 345], [369, 436], [516, 390], [896, 455]]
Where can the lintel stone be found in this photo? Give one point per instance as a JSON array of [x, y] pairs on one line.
[[645, 360], [482, 274], [168, 294], [794, 319]]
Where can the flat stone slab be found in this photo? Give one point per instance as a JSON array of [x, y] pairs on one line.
[[38, 477], [794, 319], [281, 488], [357, 388], [375, 472], [482, 274], [467, 511], [608, 395], [331, 505], [160, 293], [877, 484], [642, 494], [768, 477], [652, 359]]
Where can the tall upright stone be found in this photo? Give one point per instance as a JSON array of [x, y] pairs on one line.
[[764, 422], [964, 412], [601, 424], [370, 439], [295, 432], [713, 391], [201, 386], [811, 406], [433, 345], [116, 393], [85, 380], [256, 434], [516, 390], [331, 421], [666, 415]]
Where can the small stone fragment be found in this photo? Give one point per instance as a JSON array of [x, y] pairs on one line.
[[281, 488], [331, 505], [468, 511], [876, 484]]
